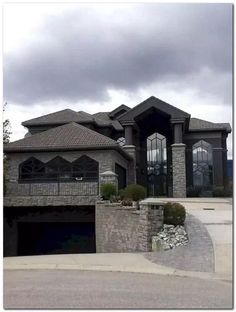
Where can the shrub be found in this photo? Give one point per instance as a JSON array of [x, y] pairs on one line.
[[108, 190], [174, 213], [122, 194], [134, 192]]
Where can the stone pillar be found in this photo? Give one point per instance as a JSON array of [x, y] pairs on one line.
[[131, 176], [150, 223], [108, 177], [128, 135], [178, 133], [179, 170]]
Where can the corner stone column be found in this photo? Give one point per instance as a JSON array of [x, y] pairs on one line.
[[179, 170], [150, 223], [131, 150]]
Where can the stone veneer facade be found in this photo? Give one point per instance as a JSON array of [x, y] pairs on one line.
[[50, 193], [125, 229]]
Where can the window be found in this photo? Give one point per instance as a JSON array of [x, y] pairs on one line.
[[121, 141], [157, 164], [85, 169], [202, 164], [31, 169], [58, 168]]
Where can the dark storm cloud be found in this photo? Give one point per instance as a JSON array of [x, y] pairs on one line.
[[81, 54]]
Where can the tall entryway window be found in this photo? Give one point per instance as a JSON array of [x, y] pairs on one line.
[[156, 165], [202, 165]]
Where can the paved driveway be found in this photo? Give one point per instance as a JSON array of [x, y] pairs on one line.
[[216, 216]]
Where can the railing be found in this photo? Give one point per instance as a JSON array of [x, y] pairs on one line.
[[52, 187]]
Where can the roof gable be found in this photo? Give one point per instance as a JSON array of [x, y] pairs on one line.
[[120, 110], [155, 103]]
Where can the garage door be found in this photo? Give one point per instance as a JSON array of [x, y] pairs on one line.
[[41, 238]]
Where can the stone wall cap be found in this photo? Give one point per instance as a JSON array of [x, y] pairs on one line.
[[128, 146], [108, 173], [178, 145], [152, 202]]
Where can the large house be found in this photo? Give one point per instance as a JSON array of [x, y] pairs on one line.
[[59, 165]]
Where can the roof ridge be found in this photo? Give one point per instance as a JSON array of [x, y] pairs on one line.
[[50, 114]]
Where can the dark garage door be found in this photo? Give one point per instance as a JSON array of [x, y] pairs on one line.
[[43, 238]]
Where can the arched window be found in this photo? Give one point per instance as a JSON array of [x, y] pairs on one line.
[[58, 168], [202, 164], [31, 169], [156, 164], [121, 141], [85, 169]]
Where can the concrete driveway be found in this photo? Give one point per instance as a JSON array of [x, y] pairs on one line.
[[216, 214]]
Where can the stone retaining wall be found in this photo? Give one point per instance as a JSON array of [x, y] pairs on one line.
[[125, 229]]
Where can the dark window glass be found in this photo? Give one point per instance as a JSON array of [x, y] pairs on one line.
[[58, 168], [85, 169], [202, 164], [121, 141], [31, 169], [156, 164]]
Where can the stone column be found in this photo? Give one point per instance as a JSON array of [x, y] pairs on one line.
[[108, 177], [178, 133], [131, 176], [179, 170], [128, 135], [150, 223]]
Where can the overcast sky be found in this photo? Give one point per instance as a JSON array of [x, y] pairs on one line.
[[98, 56]]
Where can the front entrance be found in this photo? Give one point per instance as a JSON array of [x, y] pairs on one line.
[[156, 165]]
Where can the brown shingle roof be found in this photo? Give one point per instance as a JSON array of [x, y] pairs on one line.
[[60, 117], [67, 137], [196, 124]]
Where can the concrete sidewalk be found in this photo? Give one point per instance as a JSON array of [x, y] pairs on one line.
[[112, 262]]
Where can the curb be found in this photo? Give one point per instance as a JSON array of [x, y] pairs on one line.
[[158, 269]]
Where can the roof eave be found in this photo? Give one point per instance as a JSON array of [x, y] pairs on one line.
[[227, 130], [8, 150]]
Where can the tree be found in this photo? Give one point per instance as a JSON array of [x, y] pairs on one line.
[[6, 128]]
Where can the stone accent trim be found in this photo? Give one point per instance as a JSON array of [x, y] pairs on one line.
[[179, 170], [28, 201]]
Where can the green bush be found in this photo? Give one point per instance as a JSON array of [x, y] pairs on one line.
[[121, 194], [134, 192], [108, 190], [174, 213]]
